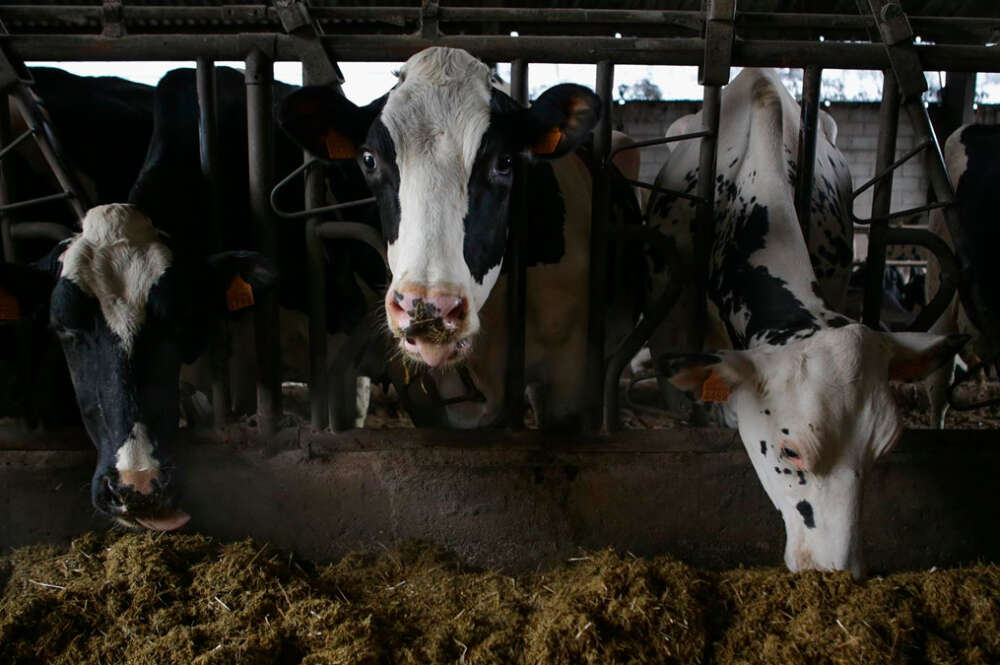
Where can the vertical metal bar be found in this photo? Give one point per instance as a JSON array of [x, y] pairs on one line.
[[319, 410], [704, 236], [209, 153], [260, 138], [6, 238], [812, 79], [600, 214], [885, 155], [516, 278]]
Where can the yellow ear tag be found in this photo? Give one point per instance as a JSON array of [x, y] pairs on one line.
[[715, 389], [339, 146], [10, 308], [239, 295], [548, 143]]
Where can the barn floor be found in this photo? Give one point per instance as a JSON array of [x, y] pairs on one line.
[[138, 599]]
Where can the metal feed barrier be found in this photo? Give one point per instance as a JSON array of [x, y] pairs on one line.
[[879, 37]]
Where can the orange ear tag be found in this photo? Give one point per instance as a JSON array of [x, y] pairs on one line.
[[10, 308], [239, 295], [715, 389], [548, 143], [339, 146]]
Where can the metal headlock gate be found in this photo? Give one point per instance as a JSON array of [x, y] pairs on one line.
[[880, 36]]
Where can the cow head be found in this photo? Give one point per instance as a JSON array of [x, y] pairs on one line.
[[439, 152], [814, 415], [127, 314]]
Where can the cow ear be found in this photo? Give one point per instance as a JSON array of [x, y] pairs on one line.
[[915, 355], [561, 118], [710, 377], [326, 123], [24, 290], [239, 276]]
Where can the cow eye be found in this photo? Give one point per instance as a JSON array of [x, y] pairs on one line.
[[504, 164], [368, 159]]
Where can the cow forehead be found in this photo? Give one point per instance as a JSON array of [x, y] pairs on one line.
[[441, 105], [117, 259]]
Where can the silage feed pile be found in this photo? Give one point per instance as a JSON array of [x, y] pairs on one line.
[[138, 598]]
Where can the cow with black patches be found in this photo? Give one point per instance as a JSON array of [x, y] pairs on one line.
[[971, 154], [440, 154], [807, 387], [128, 311]]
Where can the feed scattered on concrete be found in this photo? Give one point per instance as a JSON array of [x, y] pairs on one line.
[[140, 598]]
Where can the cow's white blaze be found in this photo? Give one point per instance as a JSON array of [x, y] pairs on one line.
[[436, 117], [117, 259], [136, 453]]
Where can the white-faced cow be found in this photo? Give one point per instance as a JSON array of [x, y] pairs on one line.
[[972, 154], [439, 151], [808, 387], [128, 311]]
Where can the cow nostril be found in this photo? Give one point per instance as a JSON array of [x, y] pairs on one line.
[[458, 312]]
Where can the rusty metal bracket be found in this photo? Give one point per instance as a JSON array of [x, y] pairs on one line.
[[720, 33], [113, 19], [897, 35], [307, 34]]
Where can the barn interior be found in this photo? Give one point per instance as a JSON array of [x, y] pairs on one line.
[[510, 495]]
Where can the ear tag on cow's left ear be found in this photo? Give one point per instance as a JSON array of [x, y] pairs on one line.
[[239, 295], [10, 308], [715, 389], [548, 143], [339, 146]]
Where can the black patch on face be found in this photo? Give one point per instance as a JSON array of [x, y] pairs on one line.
[[802, 478], [784, 430], [383, 180], [806, 510], [777, 470], [763, 447], [767, 412], [787, 471], [776, 314]]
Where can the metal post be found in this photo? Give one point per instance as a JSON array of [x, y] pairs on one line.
[[812, 79], [260, 137], [209, 152], [319, 410], [885, 155], [600, 214], [6, 238], [514, 261], [704, 236]]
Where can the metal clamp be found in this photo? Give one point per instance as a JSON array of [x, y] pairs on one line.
[[311, 212]]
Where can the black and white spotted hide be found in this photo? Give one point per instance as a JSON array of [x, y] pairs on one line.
[[128, 313], [439, 154], [807, 387]]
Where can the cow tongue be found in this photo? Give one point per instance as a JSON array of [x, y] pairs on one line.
[[169, 522], [434, 355]]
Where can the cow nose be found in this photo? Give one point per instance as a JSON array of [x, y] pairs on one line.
[[411, 307]]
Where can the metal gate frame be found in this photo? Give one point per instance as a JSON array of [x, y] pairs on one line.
[[713, 39]]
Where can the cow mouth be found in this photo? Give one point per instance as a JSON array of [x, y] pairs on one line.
[[434, 354], [434, 342], [170, 520]]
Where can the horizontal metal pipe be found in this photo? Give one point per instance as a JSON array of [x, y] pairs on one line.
[[354, 231], [61, 196], [383, 48], [40, 230]]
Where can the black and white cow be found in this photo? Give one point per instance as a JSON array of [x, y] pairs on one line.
[[128, 310], [972, 154], [440, 153], [171, 190], [808, 387]]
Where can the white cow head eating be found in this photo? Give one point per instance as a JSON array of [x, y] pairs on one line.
[[814, 415], [439, 153]]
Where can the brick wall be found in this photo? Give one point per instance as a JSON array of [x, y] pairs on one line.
[[857, 135]]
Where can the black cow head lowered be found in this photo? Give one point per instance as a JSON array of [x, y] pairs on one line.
[[127, 314], [438, 152]]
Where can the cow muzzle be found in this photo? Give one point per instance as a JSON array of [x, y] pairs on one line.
[[432, 326], [138, 499]]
